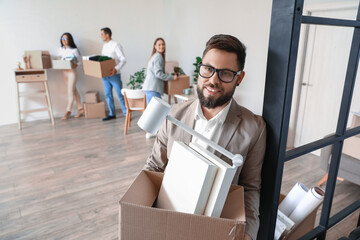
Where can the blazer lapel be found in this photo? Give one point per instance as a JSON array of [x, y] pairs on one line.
[[230, 125], [189, 121]]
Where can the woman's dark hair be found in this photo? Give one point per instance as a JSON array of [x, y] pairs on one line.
[[229, 44], [107, 31], [70, 40], [154, 50]]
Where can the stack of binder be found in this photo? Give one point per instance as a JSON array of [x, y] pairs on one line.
[[195, 181]]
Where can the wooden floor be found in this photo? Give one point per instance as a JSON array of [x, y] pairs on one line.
[[64, 182]]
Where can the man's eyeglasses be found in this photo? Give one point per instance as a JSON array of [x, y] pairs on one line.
[[225, 75]]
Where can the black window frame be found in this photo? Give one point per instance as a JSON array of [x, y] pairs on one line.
[[286, 20]]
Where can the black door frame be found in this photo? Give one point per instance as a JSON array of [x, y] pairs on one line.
[[286, 20]]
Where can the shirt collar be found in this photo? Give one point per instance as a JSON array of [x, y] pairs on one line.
[[221, 116]]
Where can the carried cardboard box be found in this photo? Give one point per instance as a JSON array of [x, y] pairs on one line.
[[94, 110], [62, 64], [38, 59], [98, 69], [92, 97], [140, 220], [176, 86], [351, 145]]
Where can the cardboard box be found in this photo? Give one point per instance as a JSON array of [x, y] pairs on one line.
[[62, 64], [92, 97], [38, 59], [302, 228], [139, 220], [98, 69], [177, 85], [351, 145], [355, 121], [169, 66], [94, 110]]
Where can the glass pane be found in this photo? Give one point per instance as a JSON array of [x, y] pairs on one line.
[[354, 114], [319, 80], [331, 9], [347, 189], [310, 170]]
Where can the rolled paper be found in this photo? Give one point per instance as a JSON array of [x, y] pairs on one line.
[[292, 199], [311, 200], [154, 115]]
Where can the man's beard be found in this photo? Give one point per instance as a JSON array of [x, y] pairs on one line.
[[211, 102]]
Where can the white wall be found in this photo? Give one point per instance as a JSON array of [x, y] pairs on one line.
[[186, 26], [189, 24]]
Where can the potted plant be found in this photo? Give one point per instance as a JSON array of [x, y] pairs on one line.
[[137, 79], [196, 73]]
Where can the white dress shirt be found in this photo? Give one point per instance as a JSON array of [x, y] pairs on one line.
[[68, 52], [211, 129], [114, 50]]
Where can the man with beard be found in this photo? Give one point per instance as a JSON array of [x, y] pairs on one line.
[[217, 116]]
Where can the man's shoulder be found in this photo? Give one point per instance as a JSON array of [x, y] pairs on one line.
[[247, 116], [114, 43]]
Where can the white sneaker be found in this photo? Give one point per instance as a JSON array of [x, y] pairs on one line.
[[149, 135]]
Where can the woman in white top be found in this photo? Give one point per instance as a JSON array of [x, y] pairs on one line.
[[155, 74], [69, 51]]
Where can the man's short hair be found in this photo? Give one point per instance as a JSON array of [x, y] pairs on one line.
[[107, 31], [229, 44]]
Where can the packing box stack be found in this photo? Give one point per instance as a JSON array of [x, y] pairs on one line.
[[95, 68], [93, 107]]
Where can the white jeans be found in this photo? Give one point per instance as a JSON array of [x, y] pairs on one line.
[[70, 79]]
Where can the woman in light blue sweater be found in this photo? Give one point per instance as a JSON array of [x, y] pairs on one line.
[[155, 75]]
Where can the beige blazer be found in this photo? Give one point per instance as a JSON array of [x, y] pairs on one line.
[[244, 133]]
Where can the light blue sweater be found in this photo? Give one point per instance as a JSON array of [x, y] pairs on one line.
[[155, 74]]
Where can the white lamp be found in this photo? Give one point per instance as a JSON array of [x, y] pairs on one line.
[[155, 114]]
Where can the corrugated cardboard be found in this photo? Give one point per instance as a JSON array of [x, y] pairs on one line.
[[139, 220], [177, 85], [92, 97], [302, 228], [355, 121], [39, 59], [98, 69], [94, 110], [351, 145], [62, 64]]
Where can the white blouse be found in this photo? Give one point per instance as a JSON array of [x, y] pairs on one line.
[[68, 52]]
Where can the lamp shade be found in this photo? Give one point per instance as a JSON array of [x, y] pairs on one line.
[[154, 115]]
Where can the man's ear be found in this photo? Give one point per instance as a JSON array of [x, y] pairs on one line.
[[240, 78]]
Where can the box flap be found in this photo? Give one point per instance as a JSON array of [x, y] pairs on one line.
[[234, 207], [144, 189]]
